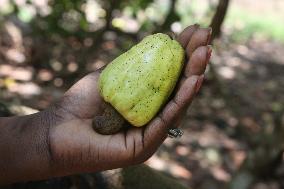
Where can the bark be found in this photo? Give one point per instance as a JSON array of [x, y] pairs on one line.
[[218, 18]]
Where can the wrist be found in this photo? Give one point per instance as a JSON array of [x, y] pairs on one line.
[[24, 147]]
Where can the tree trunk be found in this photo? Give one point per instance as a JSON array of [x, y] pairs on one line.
[[218, 18]]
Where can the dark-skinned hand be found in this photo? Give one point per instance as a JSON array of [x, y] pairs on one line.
[[61, 141]]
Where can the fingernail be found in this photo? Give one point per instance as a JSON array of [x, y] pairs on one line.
[[209, 35], [209, 53], [199, 83], [210, 30]]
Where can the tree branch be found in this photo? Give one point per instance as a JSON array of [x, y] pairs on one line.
[[218, 18]]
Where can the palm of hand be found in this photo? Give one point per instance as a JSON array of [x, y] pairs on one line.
[[76, 147]]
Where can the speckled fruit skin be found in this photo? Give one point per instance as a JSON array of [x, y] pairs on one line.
[[139, 82]]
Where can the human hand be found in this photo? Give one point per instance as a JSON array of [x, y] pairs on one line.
[[61, 140], [76, 147]]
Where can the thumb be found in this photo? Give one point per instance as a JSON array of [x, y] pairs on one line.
[[83, 99]]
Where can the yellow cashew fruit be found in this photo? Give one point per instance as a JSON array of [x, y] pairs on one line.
[[140, 81]]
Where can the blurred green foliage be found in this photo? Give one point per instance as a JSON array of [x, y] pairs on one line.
[[85, 17], [245, 25], [79, 18]]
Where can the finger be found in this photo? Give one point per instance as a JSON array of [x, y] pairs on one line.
[[201, 37], [82, 98], [198, 61], [197, 64], [178, 121], [156, 131], [184, 37]]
